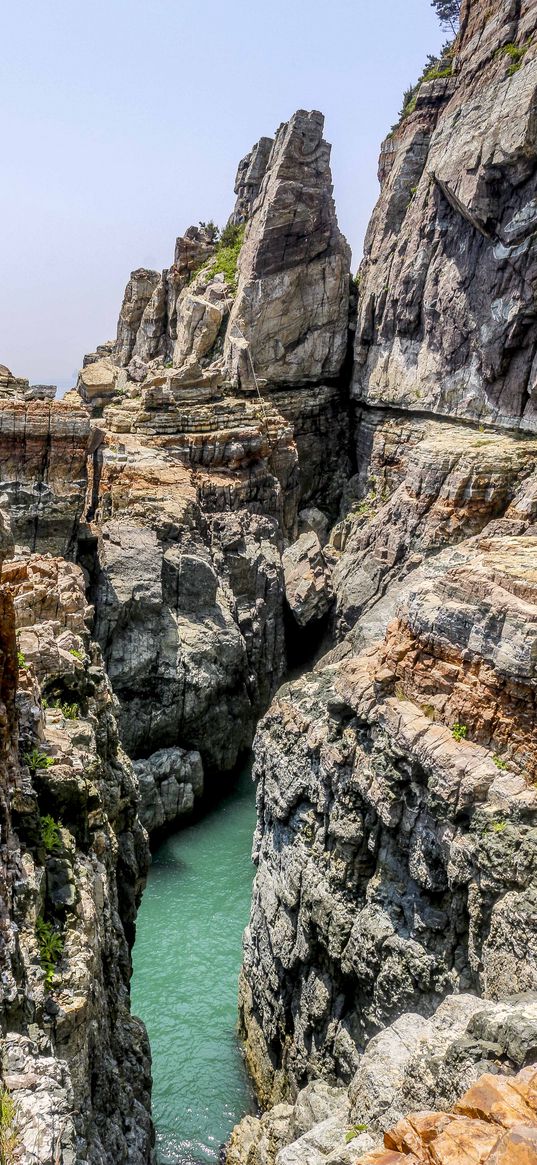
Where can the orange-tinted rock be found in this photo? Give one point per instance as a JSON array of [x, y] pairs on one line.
[[387, 1157], [517, 1147], [493, 1098], [464, 1142], [414, 1133]]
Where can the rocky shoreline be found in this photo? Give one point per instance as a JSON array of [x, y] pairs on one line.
[[275, 459]]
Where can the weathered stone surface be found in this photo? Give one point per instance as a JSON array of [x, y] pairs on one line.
[[138, 294], [446, 321], [387, 843], [43, 471], [495, 1121], [189, 613], [307, 580], [75, 1061], [292, 302], [250, 174], [422, 486], [169, 782], [98, 382]]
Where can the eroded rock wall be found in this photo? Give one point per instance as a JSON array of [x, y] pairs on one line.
[[211, 444], [75, 1062], [396, 841], [446, 321]]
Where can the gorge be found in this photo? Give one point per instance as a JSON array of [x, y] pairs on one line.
[[295, 512]]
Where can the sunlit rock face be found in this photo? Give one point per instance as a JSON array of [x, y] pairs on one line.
[[394, 915], [292, 303], [198, 476], [43, 464], [72, 867], [446, 320]]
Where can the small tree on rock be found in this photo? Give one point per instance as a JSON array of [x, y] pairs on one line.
[[448, 13]]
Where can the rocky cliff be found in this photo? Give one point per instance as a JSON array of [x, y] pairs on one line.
[[217, 429], [75, 1063], [397, 809], [240, 481], [149, 512]]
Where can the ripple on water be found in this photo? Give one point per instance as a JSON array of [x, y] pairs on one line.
[[186, 963]]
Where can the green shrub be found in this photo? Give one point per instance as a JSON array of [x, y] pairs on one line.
[[227, 254], [212, 230], [459, 732], [435, 67], [436, 73], [36, 759], [51, 834], [21, 660], [68, 711], [354, 1132], [498, 826], [76, 654], [515, 53], [9, 1133], [500, 764], [50, 943]]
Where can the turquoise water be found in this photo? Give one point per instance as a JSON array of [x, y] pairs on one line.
[[186, 963]]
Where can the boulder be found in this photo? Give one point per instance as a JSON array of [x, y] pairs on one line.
[[307, 580]]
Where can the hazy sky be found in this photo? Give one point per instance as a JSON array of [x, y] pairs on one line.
[[122, 122]]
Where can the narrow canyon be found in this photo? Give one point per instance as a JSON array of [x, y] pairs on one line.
[[290, 514]]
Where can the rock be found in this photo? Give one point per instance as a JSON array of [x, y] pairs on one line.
[[292, 248], [495, 1121], [75, 1062], [43, 458], [98, 382], [169, 780], [198, 328], [307, 580], [250, 174], [138, 293], [424, 343], [383, 845], [313, 520]]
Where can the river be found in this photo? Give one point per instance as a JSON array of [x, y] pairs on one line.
[[186, 960]]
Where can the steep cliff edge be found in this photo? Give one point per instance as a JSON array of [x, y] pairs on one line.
[[396, 846], [447, 321], [221, 415], [75, 1063]]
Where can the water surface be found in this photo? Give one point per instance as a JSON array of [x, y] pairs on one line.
[[186, 963]]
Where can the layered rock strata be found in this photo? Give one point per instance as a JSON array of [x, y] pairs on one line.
[[75, 1063], [196, 484], [43, 468], [397, 810], [446, 320]]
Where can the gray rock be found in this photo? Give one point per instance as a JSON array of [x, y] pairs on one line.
[[307, 579], [170, 781], [290, 316]]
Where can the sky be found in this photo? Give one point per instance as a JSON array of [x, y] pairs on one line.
[[123, 121]]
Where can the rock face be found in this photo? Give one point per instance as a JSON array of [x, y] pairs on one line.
[[496, 1120], [43, 469], [307, 579], [169, 783], [446, 321], [414, 1066], [196, 486], [391, 951], [289, 322], [74, 857]]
